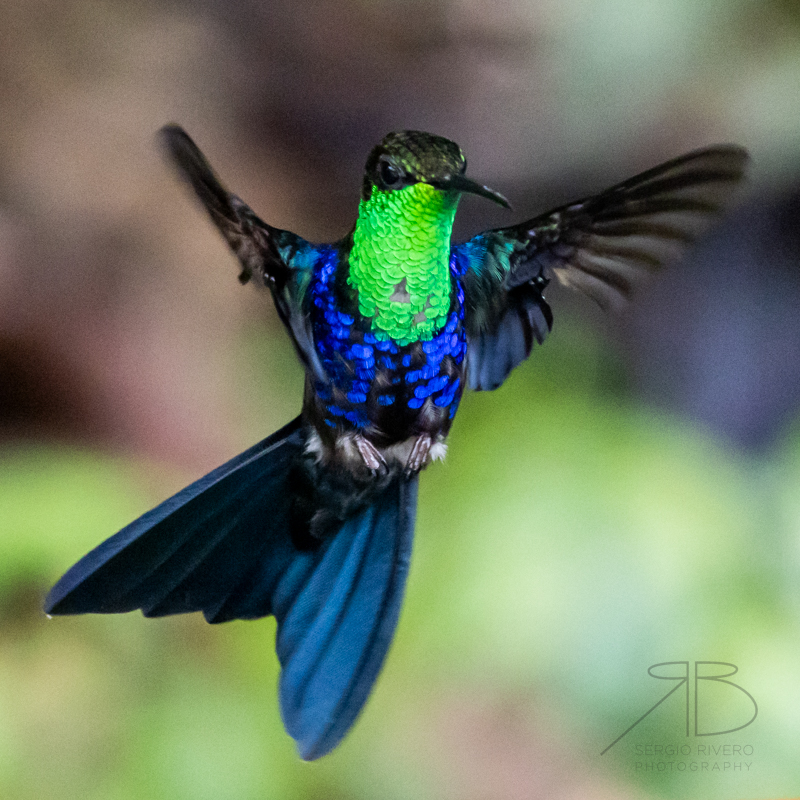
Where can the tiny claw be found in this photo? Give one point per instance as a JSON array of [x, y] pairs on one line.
[[371, 456], [419, 455]]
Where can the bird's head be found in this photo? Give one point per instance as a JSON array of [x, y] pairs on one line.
[[400, 254], [408, 159]]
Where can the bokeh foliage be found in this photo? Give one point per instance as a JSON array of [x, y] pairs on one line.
[[572, 539]]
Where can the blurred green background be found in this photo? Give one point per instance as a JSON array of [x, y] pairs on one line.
[[631, 496]]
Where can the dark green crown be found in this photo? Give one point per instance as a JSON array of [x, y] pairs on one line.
[[404, 158], [407, 157]]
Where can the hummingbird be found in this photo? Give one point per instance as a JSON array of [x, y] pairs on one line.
[[392, 323]]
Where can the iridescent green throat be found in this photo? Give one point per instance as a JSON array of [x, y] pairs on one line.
[[400, 261]]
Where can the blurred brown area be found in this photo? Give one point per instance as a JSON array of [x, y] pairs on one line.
[[122, 324], [116, 312]]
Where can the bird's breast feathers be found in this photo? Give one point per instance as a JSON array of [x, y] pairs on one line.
[[384, 390], [399, 261]]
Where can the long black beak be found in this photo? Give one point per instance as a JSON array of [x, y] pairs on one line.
[[459, 183]]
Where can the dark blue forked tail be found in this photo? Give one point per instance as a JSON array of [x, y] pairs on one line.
[[223, 546]]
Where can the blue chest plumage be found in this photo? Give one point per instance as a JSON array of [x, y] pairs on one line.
[[374, 383]]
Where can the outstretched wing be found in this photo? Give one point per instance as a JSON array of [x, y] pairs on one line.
[[278, 259], [602, 246]]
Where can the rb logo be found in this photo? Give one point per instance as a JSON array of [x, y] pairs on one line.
[[683, 680]]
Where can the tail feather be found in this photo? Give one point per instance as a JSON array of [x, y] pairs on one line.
[[190, 552], [223, 546], [335, 629]]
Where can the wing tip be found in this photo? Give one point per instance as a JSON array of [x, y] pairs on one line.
[[182, 151], [176, 143]]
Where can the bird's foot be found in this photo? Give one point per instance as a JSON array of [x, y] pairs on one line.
[[418, 456], [371, 456]]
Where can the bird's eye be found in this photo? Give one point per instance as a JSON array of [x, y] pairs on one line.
[[390, 175]]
